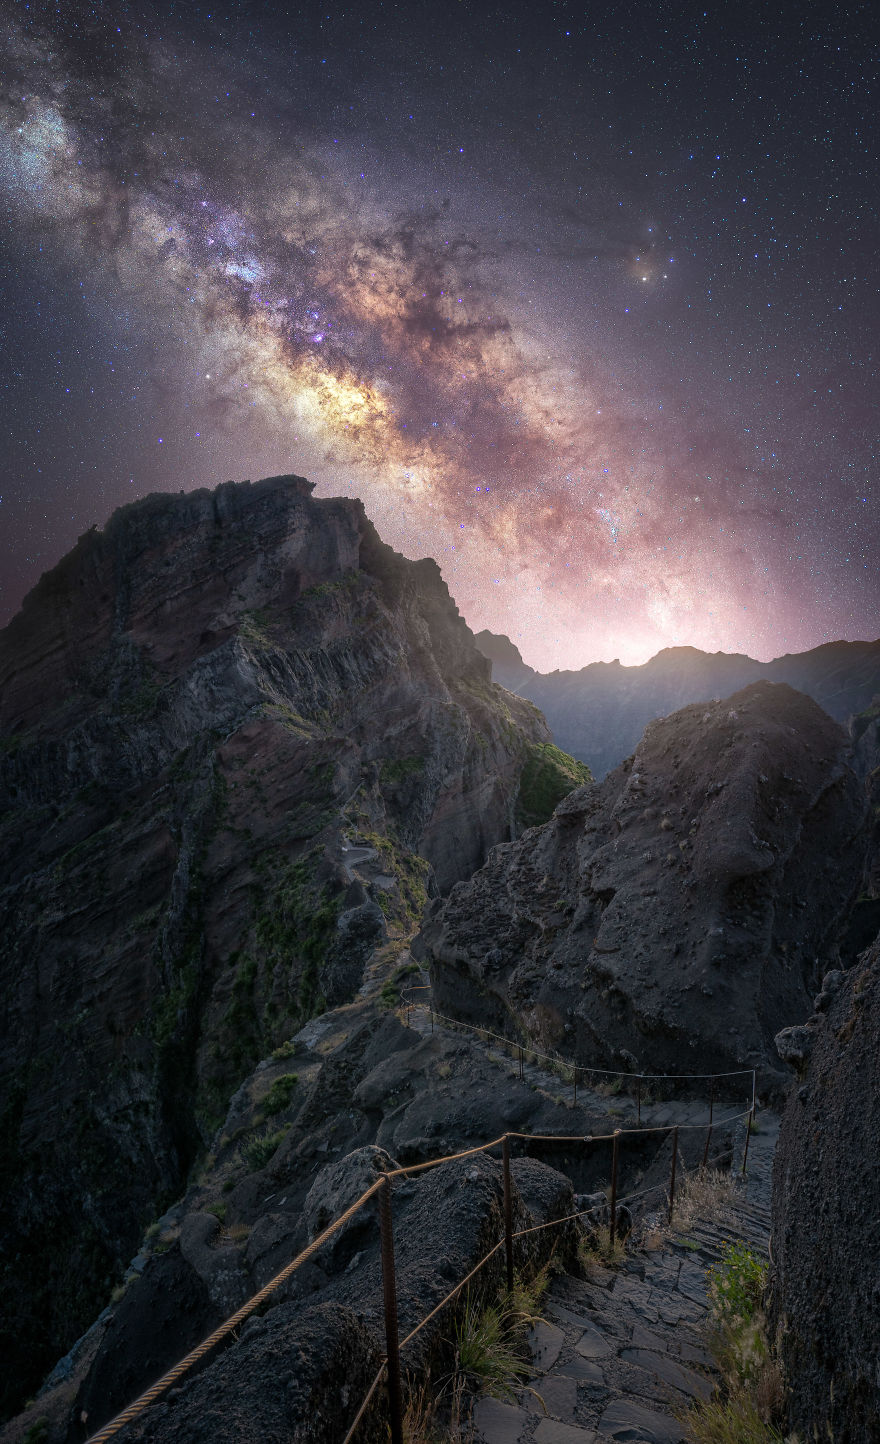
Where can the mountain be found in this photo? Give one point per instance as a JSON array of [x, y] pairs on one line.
[[599, 713], [674, 917], [240, 740]]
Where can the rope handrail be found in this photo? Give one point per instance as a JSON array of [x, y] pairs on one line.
[[621, 1132], [586, 1067], [363, 1409], [150, 1395]]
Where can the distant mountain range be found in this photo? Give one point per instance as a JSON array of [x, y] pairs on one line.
[[599, 713]]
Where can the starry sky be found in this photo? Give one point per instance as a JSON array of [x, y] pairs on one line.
[[580, 299]]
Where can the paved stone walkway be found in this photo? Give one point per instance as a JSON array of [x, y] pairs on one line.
[[618, 1356]]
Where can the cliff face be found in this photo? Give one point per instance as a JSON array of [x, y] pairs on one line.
[[208, 712], [599, 713], [826, 1184], [675, 916]]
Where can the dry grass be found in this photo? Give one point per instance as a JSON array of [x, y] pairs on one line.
[[734, 1420], [704, 1197], [596, 1249], [441, 1416]]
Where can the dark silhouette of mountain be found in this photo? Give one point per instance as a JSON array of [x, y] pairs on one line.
[[599, 713]]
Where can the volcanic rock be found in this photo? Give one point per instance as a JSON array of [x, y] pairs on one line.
[[826, 1245], [674, 917], [237, 733]]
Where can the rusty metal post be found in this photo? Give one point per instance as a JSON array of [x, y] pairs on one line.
[[389, 1291], [749, 1122], [672, 1175], [612, 1231], [709, 1129], [639, 1098], [508, 1212]]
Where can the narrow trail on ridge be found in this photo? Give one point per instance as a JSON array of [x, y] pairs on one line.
[[619, 1355]]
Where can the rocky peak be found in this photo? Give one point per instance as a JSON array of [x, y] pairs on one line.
[[240, 738]]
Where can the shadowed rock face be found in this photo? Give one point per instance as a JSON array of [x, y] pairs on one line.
[[826, 1186], [235, 729], [675, 916]]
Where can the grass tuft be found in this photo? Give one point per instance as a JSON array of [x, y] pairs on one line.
[[704, 1197], [596, 1248], [748, 1407], [490, 1341]]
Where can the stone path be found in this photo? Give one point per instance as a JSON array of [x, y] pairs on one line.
[[618, 1356]]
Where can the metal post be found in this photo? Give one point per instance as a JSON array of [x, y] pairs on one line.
[[389, 1291], [614, 1151], [672, 1175], [709, 1129], [639, 1098], [749, 1122], [508, 1212]]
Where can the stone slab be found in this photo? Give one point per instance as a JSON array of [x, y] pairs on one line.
[[498, 1423], [696, 1386], [545, 1342], [644, 1338], [592, 1344], [624, 1419], [585, 1371], [550, 1431], [556, 1394]]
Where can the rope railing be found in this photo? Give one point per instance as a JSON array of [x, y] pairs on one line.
[[143, 1402], [555, 1060], [382, 1189]]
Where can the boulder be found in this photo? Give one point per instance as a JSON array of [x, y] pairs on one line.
[[825, 1295], [675, 917]]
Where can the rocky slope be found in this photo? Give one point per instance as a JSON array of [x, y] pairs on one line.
[[675, 916], [209, 712], [303, 1138], [826, 1246], [599, 712]]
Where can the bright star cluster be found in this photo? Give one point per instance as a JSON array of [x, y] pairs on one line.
[[595, 329]]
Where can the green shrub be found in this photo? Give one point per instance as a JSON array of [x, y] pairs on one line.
[[260, 1150], [280, 1093], [548, 775], [747, 1406], [736, 1284]]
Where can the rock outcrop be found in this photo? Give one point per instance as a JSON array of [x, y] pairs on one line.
[[277, 1176], [239, 739], [674, 917], [826, 1187], [599, 712]]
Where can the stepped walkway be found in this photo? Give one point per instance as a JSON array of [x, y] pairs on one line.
[[620, 1355]]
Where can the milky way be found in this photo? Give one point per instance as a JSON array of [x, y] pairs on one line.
[[566, 378]]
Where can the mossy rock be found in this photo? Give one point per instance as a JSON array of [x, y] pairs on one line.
[[548, 775]]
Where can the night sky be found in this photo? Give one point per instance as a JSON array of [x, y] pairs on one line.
[[580, 299]]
